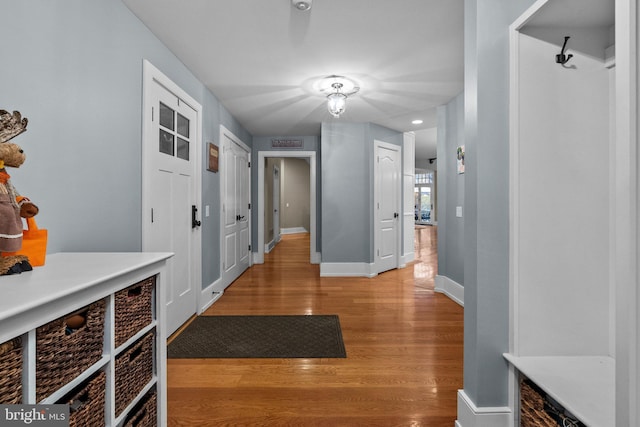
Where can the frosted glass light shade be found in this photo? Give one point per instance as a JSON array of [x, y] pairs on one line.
[[337, 102]]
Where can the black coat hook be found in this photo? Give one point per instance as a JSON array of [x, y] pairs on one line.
[[561, 58]]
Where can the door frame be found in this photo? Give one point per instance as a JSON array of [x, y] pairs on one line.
[[151, 76], [314, 255], [222, 165], [376, 199], [276, 205]]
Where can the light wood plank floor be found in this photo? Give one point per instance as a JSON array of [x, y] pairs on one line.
[[404, 347]]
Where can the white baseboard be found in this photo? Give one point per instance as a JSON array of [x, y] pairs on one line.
[[208, 296], [269, 246], [406, 259], [293, 230], [469, 415], [450, 288], [346, 269]]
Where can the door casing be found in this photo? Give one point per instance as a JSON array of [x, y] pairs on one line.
[[378, 268], [258, 256], [226, 133], [151, 77]]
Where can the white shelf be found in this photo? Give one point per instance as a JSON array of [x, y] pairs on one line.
[[68, 282], [60, 393], [65, 275], [141, 333], [125, 413], [583, 385]]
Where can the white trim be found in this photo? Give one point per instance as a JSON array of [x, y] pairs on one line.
[[469, 415], [406, 259], [527, 15], [450, 288], [408, 182], [514, 177], [221, 165], [627, 220], [258, 257], [268, 246], [347, 269], [377, 144], [209, 296], [293, 230], [150, 74]]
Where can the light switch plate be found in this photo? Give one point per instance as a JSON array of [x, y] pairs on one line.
[[459, 211]]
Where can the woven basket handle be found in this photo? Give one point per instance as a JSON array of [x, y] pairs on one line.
[[138, 418], [134, 292]]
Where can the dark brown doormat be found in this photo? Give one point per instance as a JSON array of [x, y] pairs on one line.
[[310, 336]]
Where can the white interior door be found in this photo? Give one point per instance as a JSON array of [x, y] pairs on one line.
[[387, 170], [276, 205], [236, 212], [170, 194]]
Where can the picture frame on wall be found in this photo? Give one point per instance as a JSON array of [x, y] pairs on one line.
[[214, 152]]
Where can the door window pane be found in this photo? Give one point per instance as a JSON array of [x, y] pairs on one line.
[[183, 126], [166, 142], [183, 149], [166, 116]]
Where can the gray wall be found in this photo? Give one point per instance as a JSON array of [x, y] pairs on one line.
[[451, 190], [347, 189], [486, 222], [75, 70]]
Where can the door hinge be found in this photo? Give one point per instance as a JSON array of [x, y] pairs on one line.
[[151, 215], [248, 164], [249, 247], [249, 205], [152, 111]]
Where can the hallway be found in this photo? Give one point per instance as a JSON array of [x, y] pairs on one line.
[[404, 347]]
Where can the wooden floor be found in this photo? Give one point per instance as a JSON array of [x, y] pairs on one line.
[[404, 347]]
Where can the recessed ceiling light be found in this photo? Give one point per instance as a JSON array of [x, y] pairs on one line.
[[417, 122]]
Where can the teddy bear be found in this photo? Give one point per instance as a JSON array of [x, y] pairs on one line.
[[13, 207]]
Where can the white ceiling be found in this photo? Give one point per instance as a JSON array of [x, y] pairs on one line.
[[261, 58]]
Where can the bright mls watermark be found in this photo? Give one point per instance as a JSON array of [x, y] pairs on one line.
[[34, 415]]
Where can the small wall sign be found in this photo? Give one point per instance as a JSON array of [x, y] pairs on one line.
[[286, 143], [213, 157], [460, 159]]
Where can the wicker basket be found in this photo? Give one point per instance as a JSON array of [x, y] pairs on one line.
[[11, 372], [539, 410], [134, 370], [133, 309], [86, 402], [145, 414], [62, 354], [532, 413]]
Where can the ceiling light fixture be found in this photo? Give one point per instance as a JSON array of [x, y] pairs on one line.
[[337, 88], [337, 101], [302, 5]]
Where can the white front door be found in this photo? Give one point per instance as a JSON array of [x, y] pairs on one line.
[[236, 211], [387, 205], [170, 195]]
